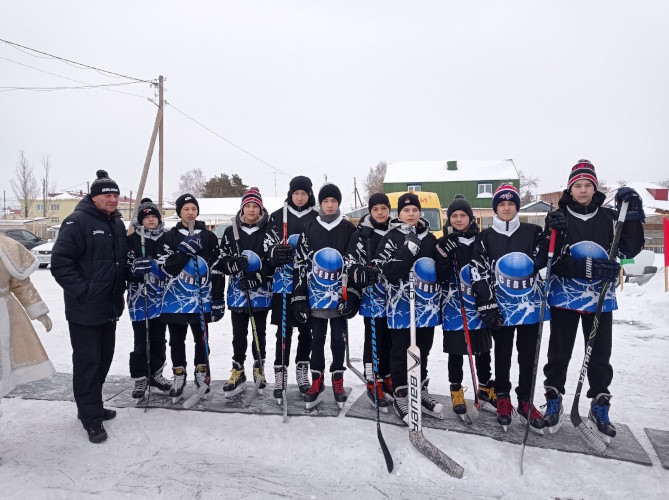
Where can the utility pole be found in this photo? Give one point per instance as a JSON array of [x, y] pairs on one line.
[[44, 196], [160, 144], [130, 210], [88, 187], [355, 192]]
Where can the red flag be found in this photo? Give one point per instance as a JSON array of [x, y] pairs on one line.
[[665, 222]]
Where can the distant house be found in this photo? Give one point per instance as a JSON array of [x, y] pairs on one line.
[[537, 206], [552, 198], [476, 180]]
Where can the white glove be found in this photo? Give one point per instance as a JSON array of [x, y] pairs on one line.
[[46, 321]]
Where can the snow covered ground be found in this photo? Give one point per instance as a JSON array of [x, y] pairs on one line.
[[44, 452]]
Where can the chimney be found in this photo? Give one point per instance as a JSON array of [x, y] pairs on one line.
[[451, 165]]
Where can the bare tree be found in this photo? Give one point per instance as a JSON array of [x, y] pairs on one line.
[[664, 183], [24, 184], [47, 183], [602, 186], [527, 186], [192, 182], [374, 179]]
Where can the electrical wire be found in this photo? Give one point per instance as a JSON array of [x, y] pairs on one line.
[[18, 46], [227, 140], [46, 89]]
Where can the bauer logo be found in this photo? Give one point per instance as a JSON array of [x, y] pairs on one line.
[[583, 249], [188, 275], [254, 260], [514, 273], [327, 266], [466, 285], [425, 272]]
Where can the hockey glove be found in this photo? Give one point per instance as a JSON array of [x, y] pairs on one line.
[[598, 269], [282, 255], [249, 281], [236, 264], [300, 308], [412, 242], [635, 208], [556, 220], [190, 245], [365, 276], [141, 266], [217, 310], [489, 312], [447, 244], [352, 305]]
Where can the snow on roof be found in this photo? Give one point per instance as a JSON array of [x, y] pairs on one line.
[[641, 188], [216, 210], [437, 171], [63, 196]]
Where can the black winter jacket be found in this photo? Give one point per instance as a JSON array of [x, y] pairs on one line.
[[89, 261]]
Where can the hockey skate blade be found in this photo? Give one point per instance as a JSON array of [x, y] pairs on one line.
[[590, 438], [175, 400], [593, 427], [234, 392], [193, 399], [433, 414], [523, 420], [384, 409], [310, 405], [443, 461], [556, 427], [485, 406]]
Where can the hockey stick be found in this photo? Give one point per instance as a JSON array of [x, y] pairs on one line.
[[344, 296], [468, 340], [418, 440], [194, 398], [537, 351], [249, 311], [142, 237], [283, 318], [382, 442], [588, 436]]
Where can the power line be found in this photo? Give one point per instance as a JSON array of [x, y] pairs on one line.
[[46, 89], [227, 140], [119, 75], [78, 81]]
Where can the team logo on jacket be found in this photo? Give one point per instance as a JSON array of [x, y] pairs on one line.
[[153, 278], [327, 266], [584, 249], [466, 285], [254, 260], [189, 274], [514, 273], [425, 272]]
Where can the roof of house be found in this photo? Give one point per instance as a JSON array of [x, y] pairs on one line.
[[537, 206], [646, 197], [217, 210], [437, 171]]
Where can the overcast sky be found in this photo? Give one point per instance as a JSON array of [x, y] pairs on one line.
[[332, 88]]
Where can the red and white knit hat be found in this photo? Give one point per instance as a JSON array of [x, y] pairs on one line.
[[252, 195], [505, 192], [583, 170]]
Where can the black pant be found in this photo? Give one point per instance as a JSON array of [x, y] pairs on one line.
[[482, 362], [319, 329], [526, 344], [303, 344], [398, 353], [564, 325], [157, 345], [240, 333], [92, 354], [178, 334], [383, 346]]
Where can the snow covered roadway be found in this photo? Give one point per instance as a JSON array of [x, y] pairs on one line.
[[44, 452]]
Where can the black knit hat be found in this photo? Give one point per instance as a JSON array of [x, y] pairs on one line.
[[252, 195], [147, 207], [407, 199], [299, 182], [583, 170], [329, 190], [103, 184], [460, 203], [186, 198], [378, 199]]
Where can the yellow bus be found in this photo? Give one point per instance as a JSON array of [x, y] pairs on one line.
[[430, 209]]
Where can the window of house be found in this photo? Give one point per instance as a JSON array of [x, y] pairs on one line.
[[485, 187], [40, 207], [55, 220], [54, 207], [414, 187]]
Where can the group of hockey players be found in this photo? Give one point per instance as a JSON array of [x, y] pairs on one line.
[[311, 267]]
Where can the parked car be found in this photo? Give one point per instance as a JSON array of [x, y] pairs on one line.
[[23, 236], [219, 229], [43, 253]]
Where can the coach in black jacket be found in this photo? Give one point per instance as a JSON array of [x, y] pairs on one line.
[[88, 262]]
